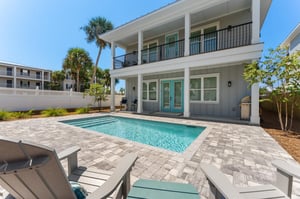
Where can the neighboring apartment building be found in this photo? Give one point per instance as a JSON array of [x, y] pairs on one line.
[[189, 56], [19, 76], [68, 82], [293, 40]]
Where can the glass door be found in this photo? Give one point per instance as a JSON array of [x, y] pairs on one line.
[[172, 96], [171, 46], [165, 104], [195, 45], [210, 39]]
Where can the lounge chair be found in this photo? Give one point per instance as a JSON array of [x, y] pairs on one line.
[[29, 170], [221, 188]]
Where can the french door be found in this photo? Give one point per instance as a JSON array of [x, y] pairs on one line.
[[172, 96]]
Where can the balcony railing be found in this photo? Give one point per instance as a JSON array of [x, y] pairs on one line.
[[6, 85], [163, 52], [6, 73], [129, 59], [230, 37]]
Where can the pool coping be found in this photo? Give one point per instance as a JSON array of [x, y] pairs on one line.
[[187, 153]]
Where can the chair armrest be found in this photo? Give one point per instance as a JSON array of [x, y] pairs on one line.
[[71, 155], [288, 168], [120, 175], [220, 186], [284, 175]]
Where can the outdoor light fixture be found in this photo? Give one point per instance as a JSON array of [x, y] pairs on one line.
[[229, 83], [133, 88]]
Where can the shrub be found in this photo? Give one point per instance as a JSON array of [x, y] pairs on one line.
[[21, 115], [82, 110], [53, 112], [4, 115]]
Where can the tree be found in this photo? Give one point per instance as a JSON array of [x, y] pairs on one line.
[[107, 80], [57, 78], [98, 92], [97, 26], [279, 74], [122, 91], [78, 62]]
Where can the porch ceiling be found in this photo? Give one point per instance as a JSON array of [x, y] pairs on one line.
[[171, 18]]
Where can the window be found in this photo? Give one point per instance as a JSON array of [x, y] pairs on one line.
[[204, 88], [204, 39], [149, 53], [9, 83], [9, 71], [150, 90], [38, 75]]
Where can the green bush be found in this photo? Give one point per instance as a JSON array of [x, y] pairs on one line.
[[21, 115], [53, 112], [82, 110], [4, 115]]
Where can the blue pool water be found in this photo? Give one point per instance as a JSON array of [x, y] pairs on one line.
[[174, 137]]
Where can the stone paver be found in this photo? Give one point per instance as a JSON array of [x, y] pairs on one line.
[[243, 153]]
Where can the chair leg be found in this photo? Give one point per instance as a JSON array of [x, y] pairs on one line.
[[284, 182]]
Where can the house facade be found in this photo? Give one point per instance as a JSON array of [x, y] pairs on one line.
[[293, 40], [19, 76], [189, 56]]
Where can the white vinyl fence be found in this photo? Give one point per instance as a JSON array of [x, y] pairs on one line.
[[29, 99]]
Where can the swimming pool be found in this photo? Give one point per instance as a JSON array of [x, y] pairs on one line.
[[174, 137]]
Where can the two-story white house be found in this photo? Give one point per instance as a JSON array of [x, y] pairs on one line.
[[189, 56], [19, 76]]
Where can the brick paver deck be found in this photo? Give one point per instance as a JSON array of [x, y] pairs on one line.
[[244, 153]]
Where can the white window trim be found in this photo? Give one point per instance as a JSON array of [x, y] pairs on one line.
[[150, 42], [201, 28], [217, 75], [148, 82]]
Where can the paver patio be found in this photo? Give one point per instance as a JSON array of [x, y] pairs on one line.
[[244, 153]]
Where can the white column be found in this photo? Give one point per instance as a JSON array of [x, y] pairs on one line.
[[112, 94], [140, 93], [140, 46], [113, 54], [187, 33], [254, 118], [15, 77], [255, 21], [186, 92]]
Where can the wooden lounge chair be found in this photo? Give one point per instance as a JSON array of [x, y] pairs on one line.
[[221, 188], [29, 170]]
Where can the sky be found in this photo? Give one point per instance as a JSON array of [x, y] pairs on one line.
[[38, 33]]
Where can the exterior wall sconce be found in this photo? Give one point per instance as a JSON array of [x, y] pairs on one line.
[[133, 88], [229, 83]]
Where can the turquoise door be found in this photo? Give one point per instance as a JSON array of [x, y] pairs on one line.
[[172, 96], [171, 48]]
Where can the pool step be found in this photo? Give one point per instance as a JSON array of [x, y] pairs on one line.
[[92, 122], [98, 123]]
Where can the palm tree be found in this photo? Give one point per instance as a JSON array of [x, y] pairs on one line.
[[57, 78], [107, 80], [97, 26], [78, 61]]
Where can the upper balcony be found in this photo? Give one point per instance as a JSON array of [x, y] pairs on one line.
[[229, 37]]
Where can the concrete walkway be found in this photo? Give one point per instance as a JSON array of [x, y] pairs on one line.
[[244, 153]]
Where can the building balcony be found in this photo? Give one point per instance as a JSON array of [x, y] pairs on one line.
[[6, 73], [229, 37]]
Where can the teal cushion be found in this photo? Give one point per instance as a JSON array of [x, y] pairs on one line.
[[79, 191]]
